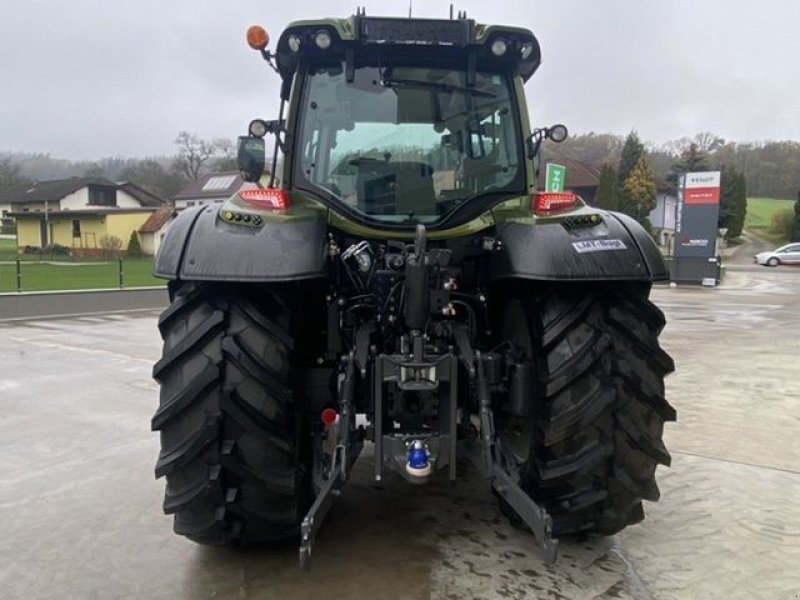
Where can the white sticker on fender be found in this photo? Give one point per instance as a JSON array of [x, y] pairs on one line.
[[598, 245]]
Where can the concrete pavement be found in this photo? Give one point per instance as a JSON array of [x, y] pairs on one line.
[[82, 513]]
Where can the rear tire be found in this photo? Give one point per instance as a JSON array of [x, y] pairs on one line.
[[589, 452], [233, 446]]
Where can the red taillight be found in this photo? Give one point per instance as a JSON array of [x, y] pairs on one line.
[[267, 198], [548, 202], [328, 417]]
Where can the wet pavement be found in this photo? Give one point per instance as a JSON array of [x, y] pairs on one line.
[[82, 513]]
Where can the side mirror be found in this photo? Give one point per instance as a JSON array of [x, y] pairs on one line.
[[557, 133], [251, 157]]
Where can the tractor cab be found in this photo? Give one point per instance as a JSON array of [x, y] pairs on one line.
[[399, 122]]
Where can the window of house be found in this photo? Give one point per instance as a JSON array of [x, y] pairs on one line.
[[76, 228], [102, 196]]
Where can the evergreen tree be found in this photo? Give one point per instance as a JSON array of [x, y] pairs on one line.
[[134, 247], [640, 194], [10, 174], [740, 205], [796, 226], [607, 195], [733, 201], [692, 159], [95, 171], [727, 184], [632, 151]]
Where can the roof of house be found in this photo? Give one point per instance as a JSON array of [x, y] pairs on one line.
[[663, 186], [157, 220], [583, 175], [145, 197], [578, 174], [213, 185], [54, 190]]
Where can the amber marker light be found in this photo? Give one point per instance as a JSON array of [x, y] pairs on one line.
[[257, 37]]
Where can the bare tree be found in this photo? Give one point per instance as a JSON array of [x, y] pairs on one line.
[[151, 175], [111, 246], [193, 154], [708, 142], [226, 151], [225, 147]]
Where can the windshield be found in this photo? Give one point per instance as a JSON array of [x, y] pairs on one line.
[[407, 144]]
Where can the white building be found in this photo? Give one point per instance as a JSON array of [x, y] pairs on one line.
[[215, 188]]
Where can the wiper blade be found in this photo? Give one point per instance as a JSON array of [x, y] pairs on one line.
[[432, 85]]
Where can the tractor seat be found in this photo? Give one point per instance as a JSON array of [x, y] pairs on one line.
[[395, 188]]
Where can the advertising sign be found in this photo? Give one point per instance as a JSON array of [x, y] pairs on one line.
[[554, 178], [702, 188], [697, 215]]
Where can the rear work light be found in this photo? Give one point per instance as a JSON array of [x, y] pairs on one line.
[[544, 203], [266, 198], [322, 39]]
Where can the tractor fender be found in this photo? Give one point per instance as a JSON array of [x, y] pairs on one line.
[[199, 246], [617, 249]]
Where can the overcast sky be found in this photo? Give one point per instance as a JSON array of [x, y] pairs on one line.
[[86, 79]]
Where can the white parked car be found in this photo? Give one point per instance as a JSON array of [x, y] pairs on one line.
[[785, 255]]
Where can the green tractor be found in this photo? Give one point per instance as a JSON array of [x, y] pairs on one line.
[[393, 276]]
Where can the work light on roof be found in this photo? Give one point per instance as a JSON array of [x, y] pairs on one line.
[[499, 47], [526, 51], [294, 43], [322, 39]]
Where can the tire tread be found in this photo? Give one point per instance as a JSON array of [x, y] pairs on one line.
[[601, 405], [230, 446]]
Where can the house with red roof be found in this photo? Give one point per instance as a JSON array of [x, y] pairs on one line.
[[152, 232]]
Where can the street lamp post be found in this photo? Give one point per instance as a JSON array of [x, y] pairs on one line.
[[46, 224]]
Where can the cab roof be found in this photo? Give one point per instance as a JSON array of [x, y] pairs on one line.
[[459, 43]]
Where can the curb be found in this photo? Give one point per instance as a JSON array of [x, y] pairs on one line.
[[38, 305]]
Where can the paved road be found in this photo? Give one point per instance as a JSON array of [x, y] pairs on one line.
[[82, 516], [739, 259], [744, 253]]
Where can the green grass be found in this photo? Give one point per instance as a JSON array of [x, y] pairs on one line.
[[8, 248], [72, 274], [759, 217]]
